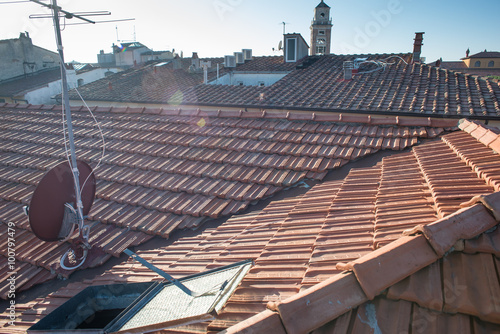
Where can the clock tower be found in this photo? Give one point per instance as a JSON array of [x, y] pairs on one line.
[[321, 30]]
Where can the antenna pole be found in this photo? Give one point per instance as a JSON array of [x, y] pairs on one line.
[[66, 106]]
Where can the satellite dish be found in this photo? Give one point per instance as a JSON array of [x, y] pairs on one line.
[[280, 45], [48, 210]]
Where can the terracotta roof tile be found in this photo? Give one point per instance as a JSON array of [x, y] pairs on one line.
[[325, 296], [415, 89], [439, 234], [298, 242], [429, 295], [461, 271]]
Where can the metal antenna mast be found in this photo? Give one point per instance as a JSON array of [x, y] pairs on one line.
[[55, 15], [81, 248], [83, 229]]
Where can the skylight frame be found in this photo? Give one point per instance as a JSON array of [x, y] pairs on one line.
[[151, 290]]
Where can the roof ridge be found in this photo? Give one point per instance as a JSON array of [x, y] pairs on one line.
[[370, 275], [291, 115]]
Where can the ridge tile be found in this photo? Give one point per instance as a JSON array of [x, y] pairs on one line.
[[466, 223], [320, 303], [390, 264]]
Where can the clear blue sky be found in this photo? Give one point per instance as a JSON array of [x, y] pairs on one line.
[[219, 27]]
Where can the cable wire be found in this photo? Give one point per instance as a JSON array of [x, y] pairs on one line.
[[380, 64], [102, 137]]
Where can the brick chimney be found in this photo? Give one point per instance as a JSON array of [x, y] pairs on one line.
[[417, 46]]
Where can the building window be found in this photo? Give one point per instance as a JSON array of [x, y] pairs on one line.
[[477, 64], [321, 32], [2, 100], [262, 83], [491, 64], [80, 82], [291, 50], [320, 50]]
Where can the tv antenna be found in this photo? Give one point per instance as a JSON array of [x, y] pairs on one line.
[[74, 180], [68, 15], [284, 26]]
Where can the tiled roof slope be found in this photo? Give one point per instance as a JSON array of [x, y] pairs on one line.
[[167, 170], [299, 243], [459, 66], [486, 54], [23, 85], [316, 83], [266, 64]]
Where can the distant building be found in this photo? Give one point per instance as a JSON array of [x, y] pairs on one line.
[[486, 63], [19, 58], [126, 55], [31, 75], [38, 88], [28, 73], [321, 30]]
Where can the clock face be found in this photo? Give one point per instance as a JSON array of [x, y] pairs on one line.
[[322, 14]]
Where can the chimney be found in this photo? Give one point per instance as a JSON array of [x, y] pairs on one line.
[[177, 63], [348, 70], [195, 60], [417, 46]]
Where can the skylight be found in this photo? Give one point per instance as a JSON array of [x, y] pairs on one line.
[[145, 307]]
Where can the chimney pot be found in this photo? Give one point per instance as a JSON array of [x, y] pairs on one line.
[[348, 70]]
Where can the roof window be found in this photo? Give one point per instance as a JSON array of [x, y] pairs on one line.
[[291, 50], [146, 307], [477, 64]]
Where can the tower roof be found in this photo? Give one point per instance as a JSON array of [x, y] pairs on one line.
[[322, 4]]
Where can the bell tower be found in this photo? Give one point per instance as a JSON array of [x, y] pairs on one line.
[[321, 30]]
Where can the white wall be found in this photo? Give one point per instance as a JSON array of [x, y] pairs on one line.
[[128, 57], [96, 74], [249, 79], [43, 95]]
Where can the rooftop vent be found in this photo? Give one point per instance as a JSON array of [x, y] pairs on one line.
[[229, 61], [247, 54], [348, 70], [239, 57]]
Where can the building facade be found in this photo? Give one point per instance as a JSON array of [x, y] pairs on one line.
[[321, 30], [20, 58]]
